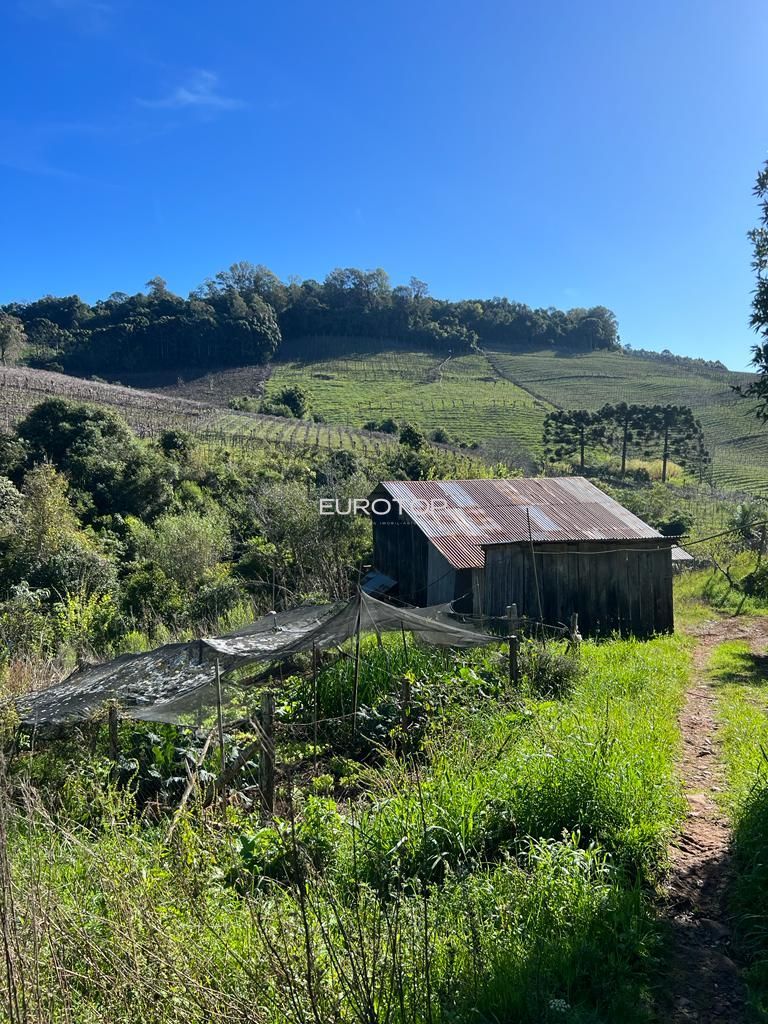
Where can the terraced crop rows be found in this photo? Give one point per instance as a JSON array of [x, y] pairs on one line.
[[242, 429], [146, 411], [278, 430], [737, 441], [463, 395]]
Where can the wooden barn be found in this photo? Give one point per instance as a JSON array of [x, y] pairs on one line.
[[552, 546]]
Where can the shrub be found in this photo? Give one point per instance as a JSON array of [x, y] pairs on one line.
[[411, 437], [85, 622], [282, 851], [755, 583], [75, 569], [340, 465], [11, 506], [176, 444], [217, 594], [296, 399], [548, 670], [184, 545], [271, 408], [147, 594], [25, 626], [675, 524], [190, 495], [386, 426]]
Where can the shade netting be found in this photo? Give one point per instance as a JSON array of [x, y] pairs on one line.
[[178, 680]]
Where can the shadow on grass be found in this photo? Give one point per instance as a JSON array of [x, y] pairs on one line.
[[700, 981], [748, 893], [743, 667]]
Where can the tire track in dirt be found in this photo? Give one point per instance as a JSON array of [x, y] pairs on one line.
[[702, 981]]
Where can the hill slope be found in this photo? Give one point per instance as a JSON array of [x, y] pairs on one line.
[[496, 399], [150, 412], [499, 399], [737, 441]]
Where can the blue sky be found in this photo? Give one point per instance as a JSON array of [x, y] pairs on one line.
[[561, 154]]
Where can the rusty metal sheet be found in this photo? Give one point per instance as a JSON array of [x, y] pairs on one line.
[[472, 513]]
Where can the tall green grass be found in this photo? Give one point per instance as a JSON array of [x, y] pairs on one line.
[[600, 764], [501, 874], [703, 594], [743, 712]]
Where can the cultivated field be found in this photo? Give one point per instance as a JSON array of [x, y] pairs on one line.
[[737, 441], [149, 412], [146, 411], [464, 395], [499, 399]]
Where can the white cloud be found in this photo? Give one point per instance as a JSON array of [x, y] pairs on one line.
[[199, 91], [91, 15], [41, 168]]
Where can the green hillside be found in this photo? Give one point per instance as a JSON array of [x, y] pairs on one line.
[[499, 399], [737, 441], [464, 395], [496, 400], [211, 421]]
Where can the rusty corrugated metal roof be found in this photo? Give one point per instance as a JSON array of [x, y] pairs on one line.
[[483, 512]]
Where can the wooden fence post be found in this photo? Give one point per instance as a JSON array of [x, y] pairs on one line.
[[514, 647], [314, 706], [356, 684], [514, 661], [574, 636], [267, 759], [405, 703], [219, 715], [514, 622]]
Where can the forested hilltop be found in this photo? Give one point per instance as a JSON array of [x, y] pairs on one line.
[[246, 314]]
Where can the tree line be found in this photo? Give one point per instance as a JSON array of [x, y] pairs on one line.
[[667, 432], [758, 320], [246, 314]]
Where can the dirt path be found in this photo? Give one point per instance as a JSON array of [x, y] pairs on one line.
[[702, 981]]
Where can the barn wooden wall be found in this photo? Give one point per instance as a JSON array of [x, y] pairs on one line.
[[401, 550], [622, 586], [441, 578], [425, 576]]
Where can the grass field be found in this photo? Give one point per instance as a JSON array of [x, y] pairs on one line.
[[463, 395], [737, 442], [499, 399], [741, 676]]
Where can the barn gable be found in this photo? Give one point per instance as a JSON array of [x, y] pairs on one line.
[[550, 545]]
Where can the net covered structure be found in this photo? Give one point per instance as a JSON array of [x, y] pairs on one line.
[[182, 679]]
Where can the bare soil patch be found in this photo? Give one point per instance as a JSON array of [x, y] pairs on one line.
[[214, 387]]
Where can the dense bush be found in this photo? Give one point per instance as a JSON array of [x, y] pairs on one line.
[[548, 669], [755, 583], [75, 569]]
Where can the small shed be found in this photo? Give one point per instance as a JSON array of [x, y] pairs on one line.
[[552, 546]]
